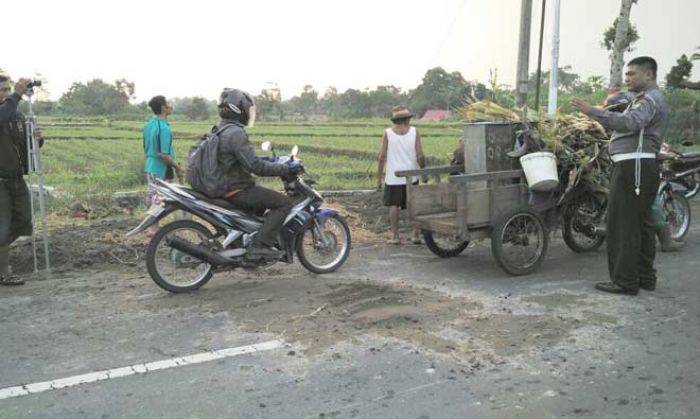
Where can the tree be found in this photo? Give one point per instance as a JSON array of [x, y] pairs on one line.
[[383, 98], [353, 103], [568, 80], [439, 89], [269, 104], [96, 98], [306, 104], [621, 42], [609, 37], [197, 109], [679, 75], [126, 87]]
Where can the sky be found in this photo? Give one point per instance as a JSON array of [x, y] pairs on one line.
[[197, 48]]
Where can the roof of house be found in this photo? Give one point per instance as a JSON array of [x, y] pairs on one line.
[[436, 115]]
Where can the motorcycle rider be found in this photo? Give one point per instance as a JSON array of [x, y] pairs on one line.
[[237, 159]]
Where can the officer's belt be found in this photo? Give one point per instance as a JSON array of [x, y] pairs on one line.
[[631, 156]]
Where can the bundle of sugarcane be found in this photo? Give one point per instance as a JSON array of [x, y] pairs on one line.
[[576, 140], [486, 110]]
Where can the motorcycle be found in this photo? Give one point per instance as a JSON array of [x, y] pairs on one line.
[[584, 206], [686, 166], [184, 254]]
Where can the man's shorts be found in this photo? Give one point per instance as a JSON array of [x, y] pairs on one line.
[[15, 210], [395, 196]]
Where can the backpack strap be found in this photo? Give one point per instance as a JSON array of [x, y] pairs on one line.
[[218, 131]]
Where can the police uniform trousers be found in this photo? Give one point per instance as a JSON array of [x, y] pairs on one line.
[[631, 237]]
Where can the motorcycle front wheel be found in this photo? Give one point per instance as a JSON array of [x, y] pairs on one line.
[[579, 225], [172, 269], [677, 211], [324, 250]]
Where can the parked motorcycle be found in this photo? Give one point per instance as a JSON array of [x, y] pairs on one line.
[[686, 167], [584, 206], [184, 254]]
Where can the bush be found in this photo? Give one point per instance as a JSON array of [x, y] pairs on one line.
[[684, 115]]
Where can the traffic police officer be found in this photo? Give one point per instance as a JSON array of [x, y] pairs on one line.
[[634, 144]]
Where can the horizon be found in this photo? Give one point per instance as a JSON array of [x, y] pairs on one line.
[[307, 43]]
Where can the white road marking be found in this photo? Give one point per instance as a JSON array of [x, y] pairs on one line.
[[27, 389]]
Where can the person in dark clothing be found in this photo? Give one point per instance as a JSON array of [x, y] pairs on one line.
[[634, 146], [15, 212], [237, 159]]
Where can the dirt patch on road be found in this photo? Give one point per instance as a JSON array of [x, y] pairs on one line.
[[319, 314], [77, 243]]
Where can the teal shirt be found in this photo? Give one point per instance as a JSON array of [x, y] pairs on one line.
[[157, 131]]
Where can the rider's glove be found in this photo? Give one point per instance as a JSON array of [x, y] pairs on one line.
[[294, 168]]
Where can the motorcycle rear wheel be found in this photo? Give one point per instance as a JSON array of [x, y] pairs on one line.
[[166, 265]]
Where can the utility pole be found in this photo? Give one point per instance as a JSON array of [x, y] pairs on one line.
[[554, 73], [522, 76]]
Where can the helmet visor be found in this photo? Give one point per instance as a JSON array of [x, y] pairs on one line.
[[251, 116]]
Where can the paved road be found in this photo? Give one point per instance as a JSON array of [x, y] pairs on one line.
[[397, 333]]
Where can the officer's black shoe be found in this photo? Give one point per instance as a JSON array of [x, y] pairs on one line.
[[10, 280], [261, 252], [615, 289], [647, 285]]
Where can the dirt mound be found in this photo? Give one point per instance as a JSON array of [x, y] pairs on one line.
[[76, 242], [83, 245]]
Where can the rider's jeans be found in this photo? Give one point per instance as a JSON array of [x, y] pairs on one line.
[[257, 200]]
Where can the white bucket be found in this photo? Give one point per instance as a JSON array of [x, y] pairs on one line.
[[540, 170]]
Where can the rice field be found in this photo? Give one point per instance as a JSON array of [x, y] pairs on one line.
[[103, 158]]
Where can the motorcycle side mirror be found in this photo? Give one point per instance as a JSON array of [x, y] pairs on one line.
[[266, 146], [688, 143], [295, 151]]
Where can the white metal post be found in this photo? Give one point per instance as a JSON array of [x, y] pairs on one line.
[[554, 73]]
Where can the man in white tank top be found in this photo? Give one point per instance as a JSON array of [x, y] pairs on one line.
[[401, 150]]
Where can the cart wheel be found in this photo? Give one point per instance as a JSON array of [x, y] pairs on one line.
[[519, 241], [443, 246]]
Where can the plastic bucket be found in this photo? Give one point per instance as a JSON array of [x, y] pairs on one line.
[[540, 170]]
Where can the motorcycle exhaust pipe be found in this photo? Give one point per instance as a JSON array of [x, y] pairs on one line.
[[198, 252], [600, 231]]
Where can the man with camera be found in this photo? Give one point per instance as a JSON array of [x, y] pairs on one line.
[[15, 207]]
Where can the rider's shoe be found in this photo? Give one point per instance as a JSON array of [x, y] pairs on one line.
[[261, 252]]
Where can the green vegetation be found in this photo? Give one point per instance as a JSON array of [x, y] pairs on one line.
[[92, 161]]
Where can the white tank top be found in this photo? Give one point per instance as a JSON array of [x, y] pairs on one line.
[[400, 155]]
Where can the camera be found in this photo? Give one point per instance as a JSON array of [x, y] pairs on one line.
[[33, 83]]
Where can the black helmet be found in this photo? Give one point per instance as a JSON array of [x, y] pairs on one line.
[[237, 105], [617, 102]]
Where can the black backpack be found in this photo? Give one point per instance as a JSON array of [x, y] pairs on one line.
[[203, 171]]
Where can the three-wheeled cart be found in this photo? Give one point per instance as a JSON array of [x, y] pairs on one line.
[[487, 198]]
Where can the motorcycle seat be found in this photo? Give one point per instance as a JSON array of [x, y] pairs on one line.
[[214, 201], [686, 162], [691, 155], [222, 203]]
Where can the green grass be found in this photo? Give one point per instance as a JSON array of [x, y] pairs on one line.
[[98, 160]]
